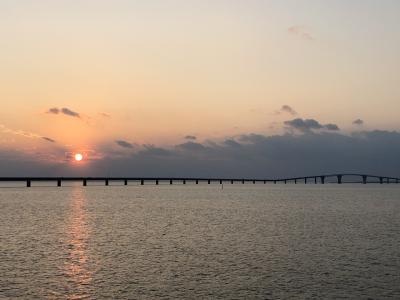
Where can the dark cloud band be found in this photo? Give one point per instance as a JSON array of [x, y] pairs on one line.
[[249, 155]]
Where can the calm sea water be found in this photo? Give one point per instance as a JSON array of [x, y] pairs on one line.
[[189, 242]]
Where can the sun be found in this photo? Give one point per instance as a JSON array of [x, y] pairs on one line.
[[78, 156]]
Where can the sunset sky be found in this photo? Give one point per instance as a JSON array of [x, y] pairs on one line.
[[122, 80]]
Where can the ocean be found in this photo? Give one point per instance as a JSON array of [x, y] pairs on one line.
[[200, 242]]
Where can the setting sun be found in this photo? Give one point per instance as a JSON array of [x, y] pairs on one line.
[[78, 157]]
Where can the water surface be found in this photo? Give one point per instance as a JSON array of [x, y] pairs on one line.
[[185, 242]]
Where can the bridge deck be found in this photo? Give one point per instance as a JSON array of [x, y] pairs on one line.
[[316, 179]]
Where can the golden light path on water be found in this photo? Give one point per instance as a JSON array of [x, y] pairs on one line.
[[77, 234]]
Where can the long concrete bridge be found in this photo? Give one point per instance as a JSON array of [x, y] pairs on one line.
[[321, 179]]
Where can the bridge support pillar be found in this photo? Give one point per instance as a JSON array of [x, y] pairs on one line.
[[156, 181], [322, 179], [274, 181], [242, 181], [106, 182], [170, 181], [184, 181], [125, 182], [209, 181], [28, 183], [305, 180], [285, 181], [220, 182], [364, 178], [265, 182], [339, 179], [254, 182], [141, 182], [58, 182], [231, 181], [315, 180], [295, 181], [380, 180], [84, 182], [197, 181]]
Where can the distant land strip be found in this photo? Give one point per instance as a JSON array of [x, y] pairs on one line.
[[321, 179]]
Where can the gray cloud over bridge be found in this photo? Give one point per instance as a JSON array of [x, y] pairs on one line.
[[309, 124], [249, 155]]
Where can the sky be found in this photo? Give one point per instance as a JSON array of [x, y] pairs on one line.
[[199, 88]]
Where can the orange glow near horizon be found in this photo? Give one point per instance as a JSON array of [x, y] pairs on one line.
[[101, 79], [78, 156]]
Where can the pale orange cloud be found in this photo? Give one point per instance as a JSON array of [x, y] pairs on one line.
[[301, 32]]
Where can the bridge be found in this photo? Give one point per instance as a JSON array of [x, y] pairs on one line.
[[316, 179]]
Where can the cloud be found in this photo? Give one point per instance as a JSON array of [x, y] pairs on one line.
[[333, 127], [303, 125], [191, 146], [124, 144], [105, 115], [48, 139], [256, 155], [231, 143], [18, 163], [301, 32], [358, 122], [26, 134], [306, 125], [65, 111], [190, 137], [247, 156], [53, 110], [288, 109], [68, 112], [151, 150]]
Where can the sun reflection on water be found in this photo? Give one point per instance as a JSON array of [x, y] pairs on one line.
[[77, 233]]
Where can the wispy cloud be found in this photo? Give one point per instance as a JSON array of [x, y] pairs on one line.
[[24, 133], [124, 144], [301, 32], [48, 139], [190, 137]]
